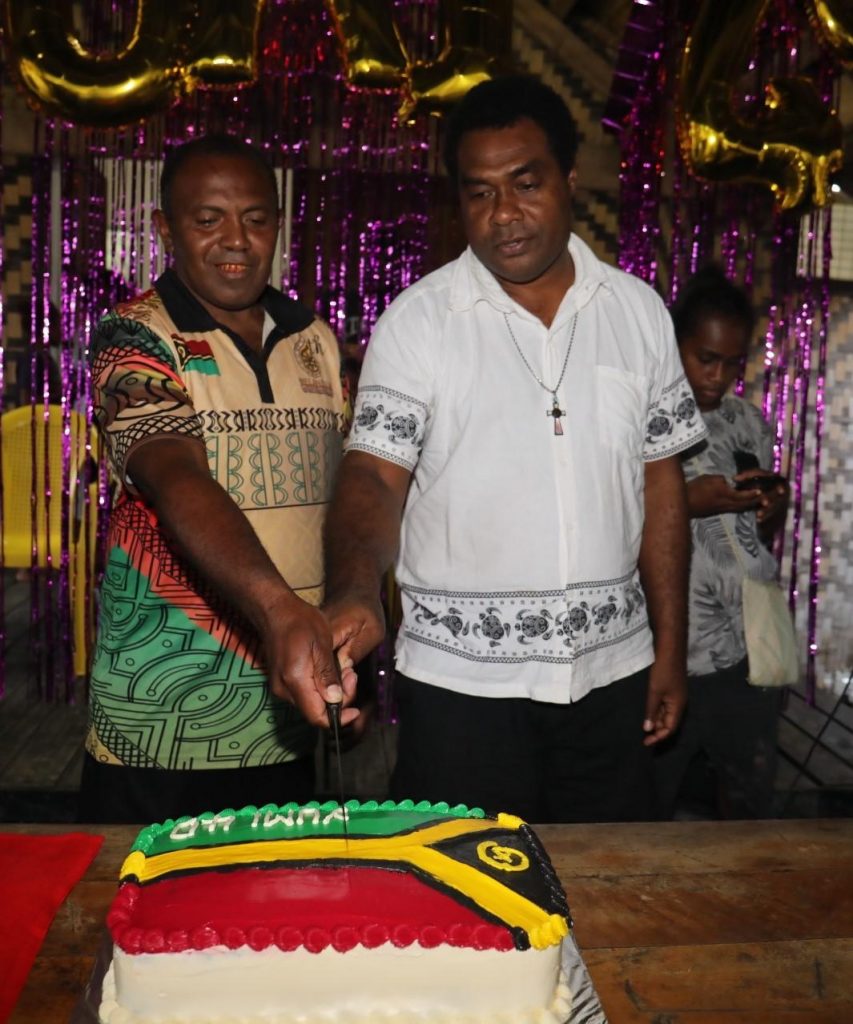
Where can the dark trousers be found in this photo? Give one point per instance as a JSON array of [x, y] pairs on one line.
[[735, 725], [113, 794], [543, 762]]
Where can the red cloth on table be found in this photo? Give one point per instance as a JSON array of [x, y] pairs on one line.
[[36, 874]]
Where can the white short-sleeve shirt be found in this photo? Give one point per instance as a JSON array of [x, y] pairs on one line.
[[518, 555]]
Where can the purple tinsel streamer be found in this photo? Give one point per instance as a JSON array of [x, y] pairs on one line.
[[641, 171], [831, 91], [799, 414], [820, 411], [2, 403], [636, 51]]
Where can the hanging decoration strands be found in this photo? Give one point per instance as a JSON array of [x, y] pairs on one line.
[[725, 222]]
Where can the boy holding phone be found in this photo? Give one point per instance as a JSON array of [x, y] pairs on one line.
[[734, 497]]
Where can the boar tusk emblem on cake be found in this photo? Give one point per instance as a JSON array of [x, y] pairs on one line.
[[504, 858]]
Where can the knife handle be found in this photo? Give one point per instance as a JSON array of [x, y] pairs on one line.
[[333, 712]]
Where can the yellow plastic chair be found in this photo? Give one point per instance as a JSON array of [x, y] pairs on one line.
[[32, 528]]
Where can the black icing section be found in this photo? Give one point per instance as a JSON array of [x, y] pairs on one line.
[[552, 880], [500, 854]]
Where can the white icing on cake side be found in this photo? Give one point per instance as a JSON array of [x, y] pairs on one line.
[[439, 986]]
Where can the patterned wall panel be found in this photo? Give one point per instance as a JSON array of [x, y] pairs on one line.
[[596, 204], [836, 591], [17, 264]]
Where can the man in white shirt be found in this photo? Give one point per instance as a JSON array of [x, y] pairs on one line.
[[515, 452]]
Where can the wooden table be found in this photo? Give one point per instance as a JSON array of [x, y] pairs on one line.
[[700, 922]]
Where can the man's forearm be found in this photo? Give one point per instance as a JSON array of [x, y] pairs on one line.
[[362, 532], [665, 556]]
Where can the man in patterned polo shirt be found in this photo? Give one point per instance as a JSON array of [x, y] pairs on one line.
[[220, 402], [515, 450]]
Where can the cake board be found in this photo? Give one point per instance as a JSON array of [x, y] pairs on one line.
[[586, 1008]]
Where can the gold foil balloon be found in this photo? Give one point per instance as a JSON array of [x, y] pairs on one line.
[[477, 45], [476, 41], [373, 52], [173, 47], [223, 44], [791, 146], [833, 21]]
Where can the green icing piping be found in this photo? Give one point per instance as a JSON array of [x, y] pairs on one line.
[[253, 824]]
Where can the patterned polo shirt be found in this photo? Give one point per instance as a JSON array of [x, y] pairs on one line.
[[518, 554], [177, 678]]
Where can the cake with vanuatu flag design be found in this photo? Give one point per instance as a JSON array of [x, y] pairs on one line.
[[321, 912]]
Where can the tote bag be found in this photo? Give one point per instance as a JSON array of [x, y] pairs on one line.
[[771, 643]]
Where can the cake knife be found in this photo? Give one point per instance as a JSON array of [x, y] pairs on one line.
[[334, 703]]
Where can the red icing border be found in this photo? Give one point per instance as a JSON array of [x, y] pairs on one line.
[[313, 907]]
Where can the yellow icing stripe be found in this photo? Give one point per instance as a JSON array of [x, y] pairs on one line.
[[515, 910]]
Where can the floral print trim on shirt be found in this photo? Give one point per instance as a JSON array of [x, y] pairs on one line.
[[549, 626], [389, 424], [677, 407]]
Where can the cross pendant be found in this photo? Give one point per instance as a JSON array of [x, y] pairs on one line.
[[556, 412]]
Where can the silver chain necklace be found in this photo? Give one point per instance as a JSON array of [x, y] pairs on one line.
[[555, 412]]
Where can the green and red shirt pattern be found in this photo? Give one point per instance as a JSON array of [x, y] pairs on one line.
[[177, 679]]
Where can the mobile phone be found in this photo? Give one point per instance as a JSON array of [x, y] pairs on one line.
[[744, 461], [763, 483]]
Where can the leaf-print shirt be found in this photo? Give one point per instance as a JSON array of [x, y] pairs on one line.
[[716, 638]]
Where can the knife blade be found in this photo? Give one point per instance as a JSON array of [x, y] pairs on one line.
[[334, 703]]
